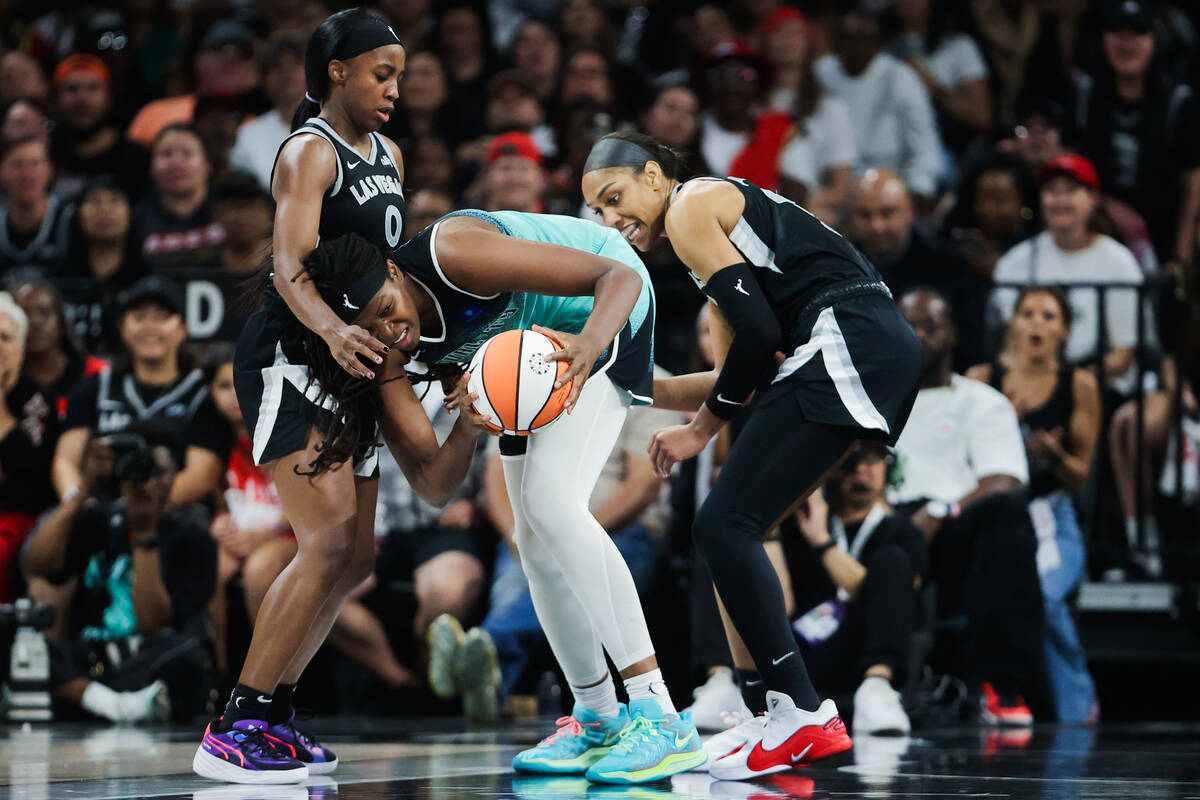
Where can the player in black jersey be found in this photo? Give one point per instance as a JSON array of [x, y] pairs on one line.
[[334, 175], [802, 321]]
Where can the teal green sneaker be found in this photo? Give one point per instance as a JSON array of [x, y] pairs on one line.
[[581, 740], [653, 746]]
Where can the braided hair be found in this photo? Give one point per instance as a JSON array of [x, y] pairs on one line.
[[350, 427]]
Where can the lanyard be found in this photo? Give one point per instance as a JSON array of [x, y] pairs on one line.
[[876, 516]]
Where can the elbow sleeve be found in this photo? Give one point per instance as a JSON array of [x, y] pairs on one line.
[[756, 337]]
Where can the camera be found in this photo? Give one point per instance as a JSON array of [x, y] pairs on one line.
[[132, 459], [27, 690]]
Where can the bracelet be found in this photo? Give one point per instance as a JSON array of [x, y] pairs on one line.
[[821, 548], [146, 544]]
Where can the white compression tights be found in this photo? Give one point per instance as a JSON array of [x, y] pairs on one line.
[[580, 584]]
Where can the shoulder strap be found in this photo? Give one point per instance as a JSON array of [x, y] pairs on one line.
[[337, 157]]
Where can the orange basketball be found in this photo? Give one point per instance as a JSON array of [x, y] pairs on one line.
[[515, 383]]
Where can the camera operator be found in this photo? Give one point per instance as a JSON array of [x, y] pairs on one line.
[[859, 574], [145, 572]]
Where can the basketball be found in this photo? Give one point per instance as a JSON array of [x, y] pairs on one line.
[[515, 383]]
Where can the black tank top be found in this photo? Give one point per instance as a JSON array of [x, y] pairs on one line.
[[799, 258], [1054, 413]]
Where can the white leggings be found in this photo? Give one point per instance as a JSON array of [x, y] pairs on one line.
[[581, 587]]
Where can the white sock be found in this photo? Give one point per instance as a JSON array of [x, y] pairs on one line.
[[102, 701], [599, 699], [650, 685], [1131, 532]]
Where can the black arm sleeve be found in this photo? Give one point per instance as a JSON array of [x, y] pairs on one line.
[[756, 337]]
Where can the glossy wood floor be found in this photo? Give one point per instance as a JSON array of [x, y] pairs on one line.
[[406, 759]]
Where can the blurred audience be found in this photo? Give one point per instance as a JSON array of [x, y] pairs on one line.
[[283, 83], [35, 225], [245, 211], [23, 465]]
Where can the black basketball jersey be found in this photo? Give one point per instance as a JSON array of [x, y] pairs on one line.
[[799, 258], [366, 196]]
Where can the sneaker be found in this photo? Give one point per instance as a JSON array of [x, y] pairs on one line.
[[740, 728], [244, 754], [444, 636], [581, 740], [1003, 708], [877, 709], [149, 704], [653, 746], [477, 676], [302, 746], [789, 738], [716, 696]]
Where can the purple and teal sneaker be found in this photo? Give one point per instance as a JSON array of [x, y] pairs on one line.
[[302, 746], [245, 754]]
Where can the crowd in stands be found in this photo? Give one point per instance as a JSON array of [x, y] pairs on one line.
[[1025, 175]]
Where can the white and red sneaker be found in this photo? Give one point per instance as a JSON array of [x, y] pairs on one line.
[[1004, 708], [790, 738], [741, 727]]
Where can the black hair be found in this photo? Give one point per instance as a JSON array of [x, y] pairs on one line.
[[327, 41], [9, 145], [158, 433], [671, 162], [350, 427], [239, 185], [962, 215], [1060, 297], [932, 292], [279, 43], [178, 127], [67, 340]]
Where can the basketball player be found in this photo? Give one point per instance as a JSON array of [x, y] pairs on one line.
[[334, 175], [777, 279], [486, 272]]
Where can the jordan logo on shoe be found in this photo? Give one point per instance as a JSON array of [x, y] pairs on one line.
[[777, 661]]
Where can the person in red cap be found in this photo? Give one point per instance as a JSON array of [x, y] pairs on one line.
[[1071, 250], [514, 179]]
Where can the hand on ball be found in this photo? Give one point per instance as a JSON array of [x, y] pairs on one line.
[[580, 352]]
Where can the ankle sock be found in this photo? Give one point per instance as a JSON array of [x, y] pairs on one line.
[[599, 699], [650, 685], [754, 690], [245, 702], [281, 703]]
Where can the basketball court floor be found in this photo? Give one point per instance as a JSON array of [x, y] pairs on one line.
[[404, 758]]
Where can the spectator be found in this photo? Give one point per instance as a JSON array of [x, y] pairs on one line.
[[216, 119], [674, 119], [34, 224], [1138, 128], [21, 78], [514, 179], [1037, 136], [428, 164], [421, 110], [246, 213], [584, 25], [144, 572], [892, 117], [425, 207], [964, 469], [224, 67], [859, 576], [950, 65], [103, 263], [173, 225], [996, 207], [884, 226], [822, 155], [410, 19], [25, 117], [1071, 251], [283, 83], [86, 142], [710, 26], [1058, 406], [23, 466], [538, 51], [629, 501], [153, 379], [587, 75], [463, 42], [736, 137], [514, 105], [580, 126]]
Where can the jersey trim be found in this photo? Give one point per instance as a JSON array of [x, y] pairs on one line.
[[438, 267], [337, 157], [437, 307], [387, 151]]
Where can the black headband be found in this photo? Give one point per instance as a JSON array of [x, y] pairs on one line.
[[616, 152], [367, 33], [355, 297]]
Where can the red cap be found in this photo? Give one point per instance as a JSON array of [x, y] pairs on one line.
[[514, 143], [782, 16], [82, 62], [730, 48], [1073, 166]]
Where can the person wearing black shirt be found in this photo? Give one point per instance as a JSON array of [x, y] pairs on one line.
[[34, 224], [1139, 129], [153, 382], [143, 574], [858, 579]]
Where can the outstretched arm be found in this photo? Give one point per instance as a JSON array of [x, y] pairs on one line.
[[306, 168], [477, 257], [687, 392]]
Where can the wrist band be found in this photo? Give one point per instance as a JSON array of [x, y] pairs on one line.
[[821, 548]]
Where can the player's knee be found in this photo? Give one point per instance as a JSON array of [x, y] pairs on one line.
[[327, 559], [711, 531]]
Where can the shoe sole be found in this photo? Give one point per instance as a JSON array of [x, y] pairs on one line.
[[444, 636], [574, 766], [323, 768], [207, 765], [671, 765], [477, 673]]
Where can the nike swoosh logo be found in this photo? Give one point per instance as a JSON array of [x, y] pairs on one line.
[[797, 756], [684, 743], [777, 661], [352, 166], [721, 399]]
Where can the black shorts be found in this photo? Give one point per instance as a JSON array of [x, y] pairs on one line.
[[855, 364], [402, 552], [278, 396]]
